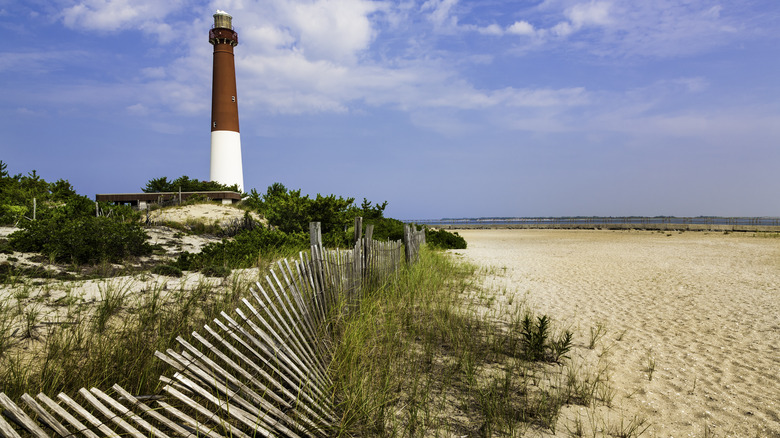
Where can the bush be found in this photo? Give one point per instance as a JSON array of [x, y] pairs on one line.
[[185, 184], [6, 271], [443, 239], [244, 250], [83, 240], [167, 270], [5, 247], [215, 271], [386, 228]]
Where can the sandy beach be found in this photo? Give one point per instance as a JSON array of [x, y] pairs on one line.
[[691, 321]]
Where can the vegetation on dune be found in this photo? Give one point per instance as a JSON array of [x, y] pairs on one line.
[[62, 225], [425, 357], [185, 184], [18, 191], [443, 239], [244, 250], [421, 354], [71, 233], [65, 228]]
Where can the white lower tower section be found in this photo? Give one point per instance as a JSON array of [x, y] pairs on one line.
[[226, 167]]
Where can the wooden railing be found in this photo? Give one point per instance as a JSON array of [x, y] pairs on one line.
[[261, 371]]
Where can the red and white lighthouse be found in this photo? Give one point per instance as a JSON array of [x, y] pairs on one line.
[[226, 167]]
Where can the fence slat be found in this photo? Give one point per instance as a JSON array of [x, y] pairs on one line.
[[125, 412], [110, 414], [87, 416], [7, 430], [17, 414], [45, 417], [153, 413], [78, 425], [189, 421]]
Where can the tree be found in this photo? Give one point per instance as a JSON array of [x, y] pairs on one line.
[[291, 212], [61, 190], [186, 184], [375, 212], [157, 185]]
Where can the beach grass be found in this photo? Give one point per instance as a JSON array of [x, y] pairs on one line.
[[106, 341], [424, 357], [429, 352]]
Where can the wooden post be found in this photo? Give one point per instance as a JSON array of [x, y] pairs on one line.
[[367, 256], [315, 239], [357, 257], [358, 228], [315, 234], [408, 242]]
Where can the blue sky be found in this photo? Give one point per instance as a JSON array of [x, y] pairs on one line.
[[444, 108]]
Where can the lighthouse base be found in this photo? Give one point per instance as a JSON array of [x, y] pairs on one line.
[[226, 166]]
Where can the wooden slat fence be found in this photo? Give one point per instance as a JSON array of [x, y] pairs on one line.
[[259, 372]]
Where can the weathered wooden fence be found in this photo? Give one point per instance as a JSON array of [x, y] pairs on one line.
[[261, 371]]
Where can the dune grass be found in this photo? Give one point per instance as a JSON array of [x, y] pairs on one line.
[[424, 357], [111, 340], [425, 353]]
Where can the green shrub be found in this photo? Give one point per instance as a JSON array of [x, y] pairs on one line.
[[6, 271], [243, 250], [83, 240], [386, 228], [443, 239], [215, 271], [167, 270], [185, 184], [5, 247], [536, 342]]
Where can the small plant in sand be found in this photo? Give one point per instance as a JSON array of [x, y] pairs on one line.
[[31, 319], [535, 340], [650, 365], [6, 322], [627, 427], [596, 333]]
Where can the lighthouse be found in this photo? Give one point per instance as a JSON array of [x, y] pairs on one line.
[[226, 167]]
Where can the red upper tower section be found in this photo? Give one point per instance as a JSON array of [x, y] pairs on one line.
[[224, 99]]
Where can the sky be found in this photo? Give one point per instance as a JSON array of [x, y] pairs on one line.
[[443, 108]]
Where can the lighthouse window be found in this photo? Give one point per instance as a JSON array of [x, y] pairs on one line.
[[215, 124], [234, 98]]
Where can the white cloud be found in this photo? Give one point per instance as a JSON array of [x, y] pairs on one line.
[[336, 30], [137, 109], [441, 15], [492, 29], [267, 38], [115, 15], [585, 14], [661, 28], [562, 29], [312, 56], [154, 72], [521, 28]]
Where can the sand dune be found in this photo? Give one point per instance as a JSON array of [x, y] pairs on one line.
[[703, 307]]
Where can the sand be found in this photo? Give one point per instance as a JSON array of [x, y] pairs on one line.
[[205, 213], [48, 299], [703, 307]]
